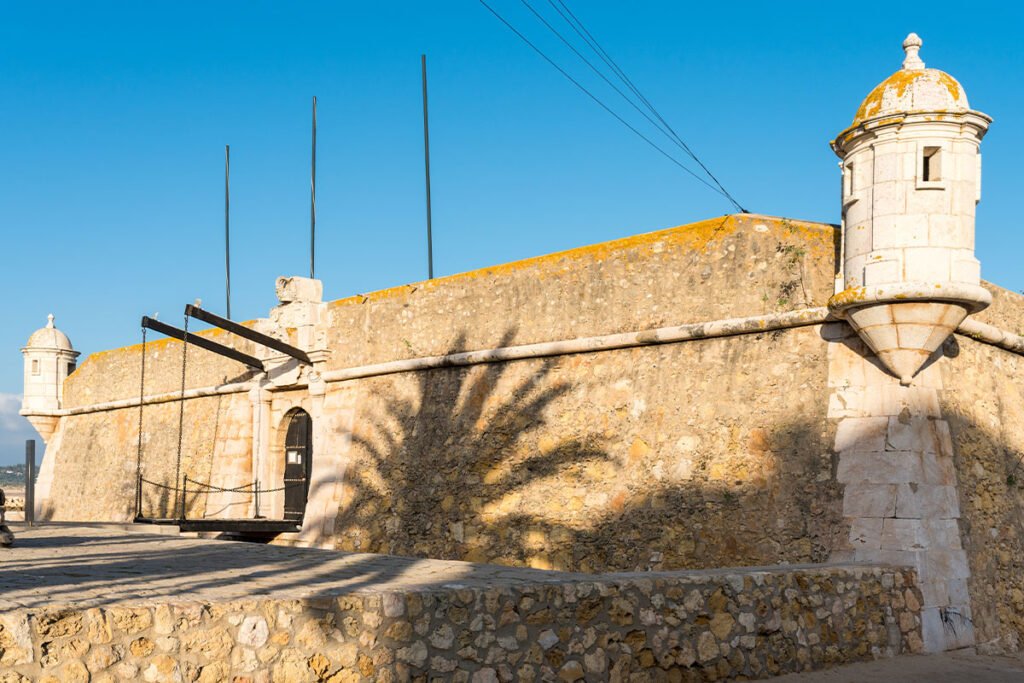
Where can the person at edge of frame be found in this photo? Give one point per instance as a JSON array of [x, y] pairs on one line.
[[6, 537]]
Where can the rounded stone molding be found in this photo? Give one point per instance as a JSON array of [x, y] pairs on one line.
[[973, 297]]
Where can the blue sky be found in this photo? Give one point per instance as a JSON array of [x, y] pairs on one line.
[[115, 115]]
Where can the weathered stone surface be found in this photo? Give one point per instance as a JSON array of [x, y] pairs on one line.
[[645, 626], [253, 631], [582, 462]]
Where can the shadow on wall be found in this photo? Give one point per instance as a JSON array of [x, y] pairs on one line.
[[521, 464], [983, 405]]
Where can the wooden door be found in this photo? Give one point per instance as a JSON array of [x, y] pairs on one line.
[[298, 456]]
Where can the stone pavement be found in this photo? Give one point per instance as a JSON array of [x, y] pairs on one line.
[[98, 566], [951, 667]]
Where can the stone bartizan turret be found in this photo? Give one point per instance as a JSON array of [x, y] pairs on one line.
[[49, 359], [911, 170]]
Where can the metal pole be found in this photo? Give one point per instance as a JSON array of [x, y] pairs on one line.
[[30, 482], [312, 202], [227, 228], [426, 163], [138, 497]]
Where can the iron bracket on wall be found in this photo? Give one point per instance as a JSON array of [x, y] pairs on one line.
[[247, 333], [203, 342]]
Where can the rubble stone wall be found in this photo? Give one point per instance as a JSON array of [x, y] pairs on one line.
[[663, 626], [94, 468], [703, 454]]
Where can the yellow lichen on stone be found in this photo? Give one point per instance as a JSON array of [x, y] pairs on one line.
[[918, 82]]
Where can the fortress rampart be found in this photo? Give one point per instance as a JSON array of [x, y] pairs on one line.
[[703, 453]]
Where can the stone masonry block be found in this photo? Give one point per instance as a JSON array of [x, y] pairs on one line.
[[943, 628], [881, 272], [943, 564], [853, 271], [866, 533], [957, 590], [921, 401], [897, 231], [944, 440], [887, 168], [869, 500], [890, 199], [937, 469], [864, 401], [926, 501], [924, 264], [846, 363], [941, 533], [297, 288], [935, 593], [892, 467], [898, 558], [862, 434], [966, 270], [903, 534], [948, 231], [928, 202], [910, 434], [846, 403], [858, 235]]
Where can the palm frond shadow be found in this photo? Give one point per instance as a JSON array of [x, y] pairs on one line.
[[470, 464], [465, 425]]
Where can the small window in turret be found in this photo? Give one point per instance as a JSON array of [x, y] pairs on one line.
[[931, 164], [35, 366], [71, 367]]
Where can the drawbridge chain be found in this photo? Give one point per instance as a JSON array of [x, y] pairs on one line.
[[207, 488], [181, 410], [138, 455]]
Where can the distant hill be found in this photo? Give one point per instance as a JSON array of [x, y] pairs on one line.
[[13, 475]]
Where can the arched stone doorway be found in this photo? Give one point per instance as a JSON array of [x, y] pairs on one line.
[[298, 462]]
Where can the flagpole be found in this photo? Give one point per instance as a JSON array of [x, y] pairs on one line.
[[227, 228], [312, 202], [426, 163]]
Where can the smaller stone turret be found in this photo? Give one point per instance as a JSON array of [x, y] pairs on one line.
[[49, 359], [911, 178]]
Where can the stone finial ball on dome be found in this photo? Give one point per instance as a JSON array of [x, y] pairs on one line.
[[912, 89], [49, 337], [911, 46]]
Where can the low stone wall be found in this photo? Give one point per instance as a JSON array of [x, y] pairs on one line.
[[664, 626]]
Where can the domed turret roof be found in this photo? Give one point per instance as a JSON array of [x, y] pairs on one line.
[[49, 337], [913, 89]]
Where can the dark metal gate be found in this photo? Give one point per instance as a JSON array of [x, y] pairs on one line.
[[298, 457]]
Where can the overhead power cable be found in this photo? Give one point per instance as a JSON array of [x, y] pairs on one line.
[[581, 30], [602, 104], [597, 71]]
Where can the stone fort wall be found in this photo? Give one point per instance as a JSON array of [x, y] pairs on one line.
[[708, 453], [603, 461]]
